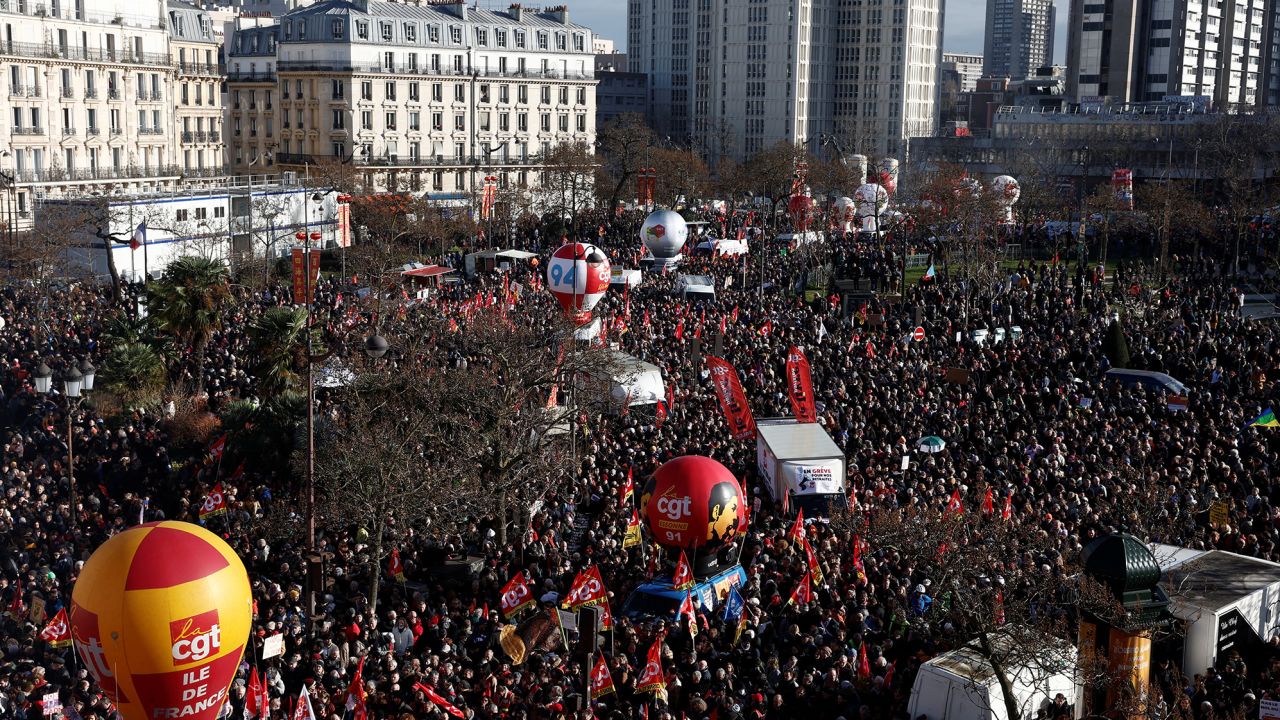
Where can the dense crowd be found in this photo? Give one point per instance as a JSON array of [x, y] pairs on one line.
[[1019, 426]]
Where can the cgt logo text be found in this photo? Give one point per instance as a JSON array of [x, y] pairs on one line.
[[195, 638], [675, 508]]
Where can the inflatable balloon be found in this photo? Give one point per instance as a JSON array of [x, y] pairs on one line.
[[844, 212], [1007, 192], [869, 203], [694, 502], [160, 616], [889, 175], [858, 163], [664, 232], [578, 276]]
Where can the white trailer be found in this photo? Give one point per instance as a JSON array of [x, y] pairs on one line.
[[1230, 603], [961, 685], [800, 465]]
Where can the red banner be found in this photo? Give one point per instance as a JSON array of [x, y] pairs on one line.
[[742, 425], [652, 679], [58, 632], [601, 680], [800, 386], [215, 504], [684, 574], [300, 257], [516, 596], [588, 589]]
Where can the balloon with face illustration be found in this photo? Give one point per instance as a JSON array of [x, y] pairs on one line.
[[160, 616], [578, 276], [694, 502]]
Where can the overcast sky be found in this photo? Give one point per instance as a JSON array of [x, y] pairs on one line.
[[965, 20]]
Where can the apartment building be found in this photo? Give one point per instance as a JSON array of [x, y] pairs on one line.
[[1226, 51], [419, 97], [1019, 37], [732, 78], [197, 95]]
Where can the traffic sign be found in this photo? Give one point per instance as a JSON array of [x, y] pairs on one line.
[[918, 335]]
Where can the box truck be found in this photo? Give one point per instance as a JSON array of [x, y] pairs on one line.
[[800, 465]]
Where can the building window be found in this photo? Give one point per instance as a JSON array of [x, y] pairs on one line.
[[414, 121], [433, 34], [522, 122], [546, 122], [518, 36], [542, 41], [362, 29], [582, 122], [459, 121], [546, 95], [302, 30], [339, 120], [437, 121], [338, 28], [522, 94], [391, 121], [500, 38], [413, 91], [385, 30], [560, 42], [578, 43], [459, 93], [181, 215], [411, 32], [339, 149], [366, 120], [482, 37], [339, 89], [437, 92], [455, 34], [366, 90], [564, 122], [391, 91], [504, 121], [582, 96], [564, 96]]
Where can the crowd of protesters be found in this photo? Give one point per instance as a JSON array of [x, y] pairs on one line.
[[1036, 421]]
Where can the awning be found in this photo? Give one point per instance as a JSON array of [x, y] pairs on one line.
[[426, 272], [516, 254]]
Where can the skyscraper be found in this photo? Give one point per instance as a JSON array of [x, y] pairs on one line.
[[1144, 50], [731, 78], [1019, 37]]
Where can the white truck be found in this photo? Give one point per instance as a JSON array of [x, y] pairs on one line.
[[629, 382], [695, 287], [801, 466]]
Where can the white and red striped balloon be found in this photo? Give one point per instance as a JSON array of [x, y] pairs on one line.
[[578, 275]]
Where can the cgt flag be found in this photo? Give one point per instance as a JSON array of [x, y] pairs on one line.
[[629, 489], [601, 680], [632, 538], [688, 612], [395, 568], [58, 632], [356, 694], [652, 680], [516, 596], [800, 386], [214, 504], [803, 593], [683, 579], [733, 400], [435, 697], [815, 568]]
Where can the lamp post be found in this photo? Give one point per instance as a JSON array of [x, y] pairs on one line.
[[308, 238], [75, 382]]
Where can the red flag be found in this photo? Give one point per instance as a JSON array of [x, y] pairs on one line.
[[723, 320], [870, 349], [888, 674], [800, 386], [1007, 511], [516, 596], [395, 568], [697, 332], [660, 414], [253, 694], [955, 505], [58, 632], [628, 490], [802, 594], [815, 568], [671, 397], [652, 679], [303, 711], [859, 571], [646, 317], [687, 612], [683, 579], [733, 400], [17, 606], [434, 697], [679, 333], [356, 694], [988, 502], [588, 589], [766, 329], [601, 680], [217, 446], [999, 613], [797, 530], [214, 504], [864, 667]]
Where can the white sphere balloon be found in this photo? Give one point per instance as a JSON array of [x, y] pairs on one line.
[[664, 232], [870, 202], [844, 208]]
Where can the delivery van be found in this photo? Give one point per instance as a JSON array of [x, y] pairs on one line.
[[801, 466]]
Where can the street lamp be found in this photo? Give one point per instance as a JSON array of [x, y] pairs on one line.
[[75, 382], [375, 346]]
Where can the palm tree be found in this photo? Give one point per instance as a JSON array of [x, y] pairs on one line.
[[134, 371], [278, 343], [188, 302]]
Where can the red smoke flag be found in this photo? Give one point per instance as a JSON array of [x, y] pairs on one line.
[[815, 568], [803, 592], [356, 694], [683, 579], [632, 538], [601, 680], [652, 679], [955, 505], [800, 386], [988, 503], [864, 666], [733, 401], [588, 589], [797, 530], [214, 504], [58, 632], [516, 596], [687, 612], [1007, 511], [434, 697], [395, 568], [629, 489]]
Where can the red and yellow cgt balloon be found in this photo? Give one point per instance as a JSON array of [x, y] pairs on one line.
[[160, 616]]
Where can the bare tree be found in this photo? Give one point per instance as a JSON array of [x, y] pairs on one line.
[[624, 144], [568, 178], [682, 176]]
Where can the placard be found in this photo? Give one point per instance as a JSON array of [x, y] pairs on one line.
[[273, 646]]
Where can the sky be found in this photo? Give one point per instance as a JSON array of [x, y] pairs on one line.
[[965, 23]]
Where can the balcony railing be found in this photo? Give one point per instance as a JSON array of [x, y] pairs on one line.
[[247, 76], [116, 131], [201, 69], [47, 50], [98, 173], [28, 131], [93, 131], [91, 94], [408, 161], [311, 65], [68, 131], [68, 12], [113, 94], [67, 93], [151, 131]]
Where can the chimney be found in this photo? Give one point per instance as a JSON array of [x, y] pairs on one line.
[[559, 13], [516, 12], [456, 8]]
